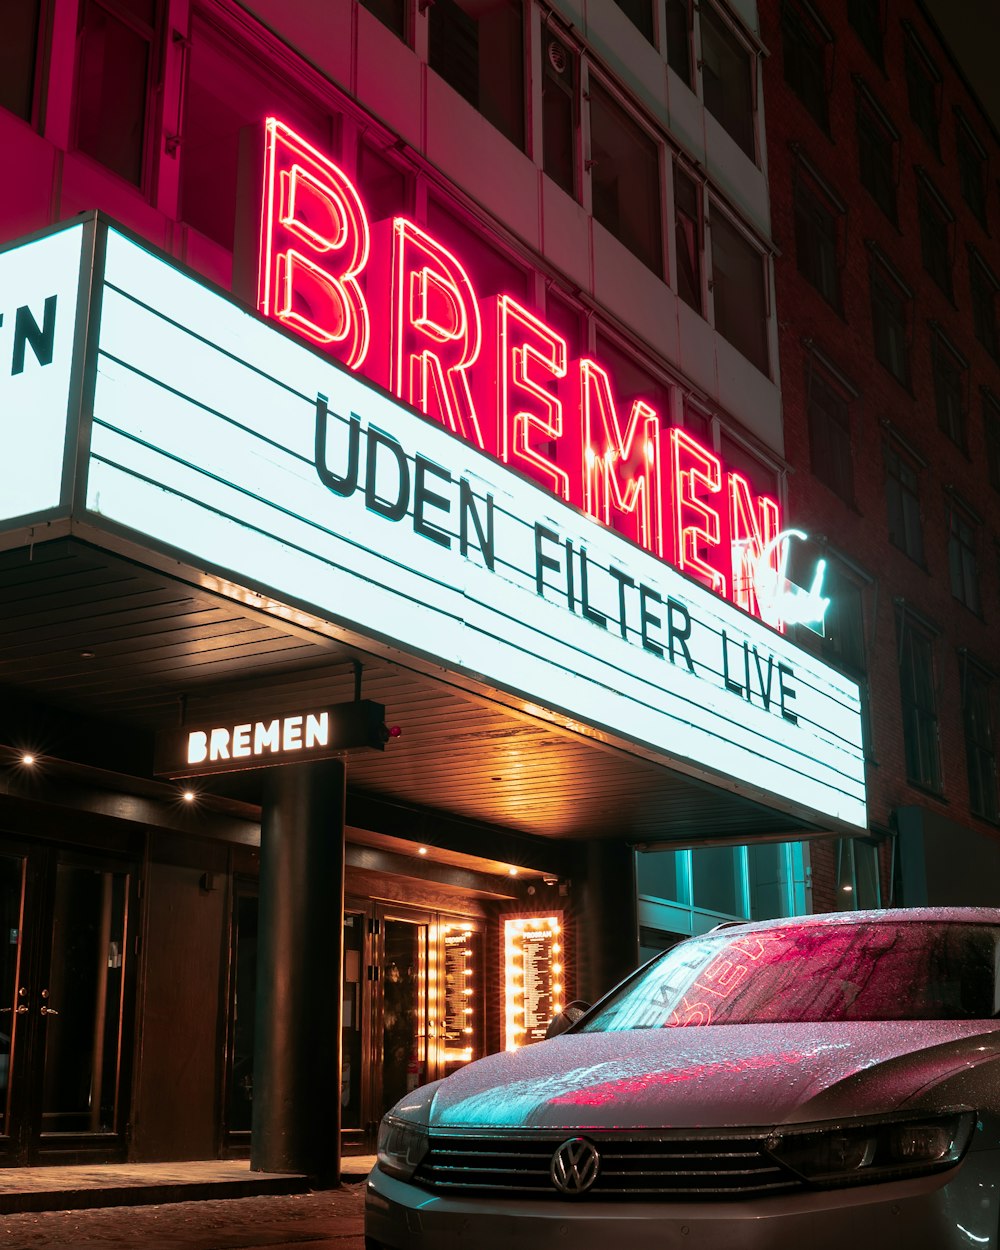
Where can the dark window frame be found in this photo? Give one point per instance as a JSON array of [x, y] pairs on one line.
[[991, 434], [937, 234], [902, 492], [971, 158], [828, 417], [151, 35], [878, 152], [21, 90], [950, 373], [720, 91], [447, 21], [892, 319], [919, 702], [923, 89], [689, 237], [820, 229], [963, 556], [755, 345], [983, 288], [654, 257], [561, 96], [866, 20], [978, 723], [806, 45], [680, 55]]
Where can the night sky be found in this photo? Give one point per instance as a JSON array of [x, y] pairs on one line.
[[972, 29]]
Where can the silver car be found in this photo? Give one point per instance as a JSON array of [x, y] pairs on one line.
[[820, 1083]]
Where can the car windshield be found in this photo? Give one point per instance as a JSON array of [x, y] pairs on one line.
[[807, 972]]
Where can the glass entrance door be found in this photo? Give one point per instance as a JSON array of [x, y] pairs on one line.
[[65, 1001], [405, 1031]]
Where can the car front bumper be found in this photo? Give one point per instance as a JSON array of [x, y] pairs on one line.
[[931, 1213]]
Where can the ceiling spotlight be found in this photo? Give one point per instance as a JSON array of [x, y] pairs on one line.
[[189, 796], [848, 889], [422, 850], [27, 758], [511, 872]]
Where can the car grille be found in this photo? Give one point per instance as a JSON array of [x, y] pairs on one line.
[[632, 1167]]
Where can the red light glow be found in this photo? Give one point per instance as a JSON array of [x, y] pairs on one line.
[[493, 373]]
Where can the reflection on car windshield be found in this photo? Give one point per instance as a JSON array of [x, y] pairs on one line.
[[803, 972]]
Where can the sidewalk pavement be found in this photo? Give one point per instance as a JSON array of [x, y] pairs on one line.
[[142, 1184]]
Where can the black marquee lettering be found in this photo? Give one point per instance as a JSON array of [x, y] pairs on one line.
[[786, 694], [27, 334], [623, 580], [679, 633], [347, 484], [542, 561], [422, 497], [466, 509], [391, 509], [646, 619], [589, 613]]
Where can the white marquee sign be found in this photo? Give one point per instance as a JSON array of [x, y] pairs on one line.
[[216, 436]]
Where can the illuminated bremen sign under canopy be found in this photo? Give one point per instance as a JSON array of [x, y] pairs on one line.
[[261, 741], [238, 452]]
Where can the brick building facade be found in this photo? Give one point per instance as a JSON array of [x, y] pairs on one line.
[[886, 215]]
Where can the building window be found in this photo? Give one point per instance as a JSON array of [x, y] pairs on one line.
[[865, 17], [903, 502], [951, 373], [920, 719], [844, 623], [857, 875], [804, 52], [891, 316], [19, 56], [971, 167], [625, 178], [391, 13], [679, 38], [727, 79], [560, 67], [829, 434], [980, 744], [983, 285], [818, 230], [922, 82], [226, 91], [877, 141], [963, 560], [640, 14], [991, 431], [479, 50], [687, 233], [113, 84], [738, 291], [685, 893], [936, 221]]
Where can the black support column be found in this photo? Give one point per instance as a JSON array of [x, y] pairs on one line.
[[297, 1038], [606, 916]]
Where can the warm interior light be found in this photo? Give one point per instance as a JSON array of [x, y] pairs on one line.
[[188, 796], [422, 850], [27, 758], [512, 872]]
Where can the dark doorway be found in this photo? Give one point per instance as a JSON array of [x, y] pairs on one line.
[[66, 998]]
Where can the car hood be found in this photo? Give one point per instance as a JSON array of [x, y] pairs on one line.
[[715, 1076]]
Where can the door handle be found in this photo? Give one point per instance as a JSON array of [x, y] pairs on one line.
[[21, 1008], [48, 1011]]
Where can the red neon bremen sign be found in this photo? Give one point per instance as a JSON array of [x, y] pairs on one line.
[[393, 302]]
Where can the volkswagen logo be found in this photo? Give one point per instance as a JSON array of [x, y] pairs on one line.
[[574, 1166]]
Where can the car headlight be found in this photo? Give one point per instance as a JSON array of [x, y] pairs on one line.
[[401, 1146], [866, 1151]]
